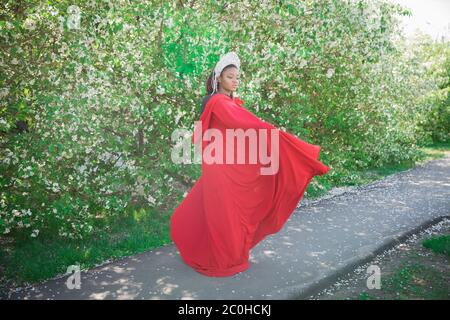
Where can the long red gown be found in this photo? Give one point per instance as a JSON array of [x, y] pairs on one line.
[[232, 207]]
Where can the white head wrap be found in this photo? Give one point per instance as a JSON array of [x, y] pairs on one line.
[[225, 60]]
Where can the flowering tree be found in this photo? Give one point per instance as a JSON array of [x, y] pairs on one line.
[[92, 91]]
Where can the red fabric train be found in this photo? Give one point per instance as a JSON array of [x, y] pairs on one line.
[[232, 206]]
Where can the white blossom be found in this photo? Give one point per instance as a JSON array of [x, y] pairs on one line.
[[151, 200], [330, 73], [160, 90]]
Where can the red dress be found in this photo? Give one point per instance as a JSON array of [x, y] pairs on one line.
[[232, 206]]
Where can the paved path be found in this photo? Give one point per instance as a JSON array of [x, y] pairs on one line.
[[320, 241]]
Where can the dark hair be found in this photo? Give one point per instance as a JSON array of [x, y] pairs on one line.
[[209, 87]]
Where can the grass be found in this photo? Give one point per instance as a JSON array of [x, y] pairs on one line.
[[417, 278], [417, 281], [439, 245], [356, 178], [366, 296], [428, 153], [46, 257], [25, 261]]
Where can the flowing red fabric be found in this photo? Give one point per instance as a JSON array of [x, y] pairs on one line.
[[232, 207]]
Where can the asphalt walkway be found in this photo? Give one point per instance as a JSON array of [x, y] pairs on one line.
[[321, 240]]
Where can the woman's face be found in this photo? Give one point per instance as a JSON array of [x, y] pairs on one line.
[[229, 79]]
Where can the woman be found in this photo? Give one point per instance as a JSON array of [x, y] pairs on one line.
[[235, 205]]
